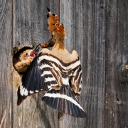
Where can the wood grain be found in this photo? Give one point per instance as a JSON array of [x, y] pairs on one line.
[[97, 30], [5, 64], [84, 22], [30, 28], [116, 57]]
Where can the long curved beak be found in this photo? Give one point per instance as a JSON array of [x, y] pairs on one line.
[[34, 52], [36, 47]]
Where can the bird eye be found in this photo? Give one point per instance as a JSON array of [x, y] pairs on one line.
[[26, 54]]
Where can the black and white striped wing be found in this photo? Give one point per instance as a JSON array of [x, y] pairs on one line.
[[76, 80], [47, 72], [64, 101], [38, 77]]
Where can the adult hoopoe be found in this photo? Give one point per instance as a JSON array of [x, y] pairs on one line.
[[57, 71]]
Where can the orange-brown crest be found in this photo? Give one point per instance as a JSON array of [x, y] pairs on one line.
[[54, 26]]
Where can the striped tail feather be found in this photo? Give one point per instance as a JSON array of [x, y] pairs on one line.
[[64, 101]]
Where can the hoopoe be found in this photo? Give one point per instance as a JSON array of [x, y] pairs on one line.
[[22, 59], [56, 71]]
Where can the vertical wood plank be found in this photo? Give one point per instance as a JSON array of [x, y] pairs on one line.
[[30, 28], [5, 64], [84, 23], [116, 58]]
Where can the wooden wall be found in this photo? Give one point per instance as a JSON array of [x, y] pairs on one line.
[[98, 30]]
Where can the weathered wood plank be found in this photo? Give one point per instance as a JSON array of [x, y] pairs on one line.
[[116, 59], [5, 64], [84, 22], [30, 28]]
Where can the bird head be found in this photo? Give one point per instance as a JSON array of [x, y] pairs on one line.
[[23, 58], [55, 28], [28, 54]]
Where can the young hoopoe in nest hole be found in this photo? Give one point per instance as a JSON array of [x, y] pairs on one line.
[[23, 58], [56, 71]]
